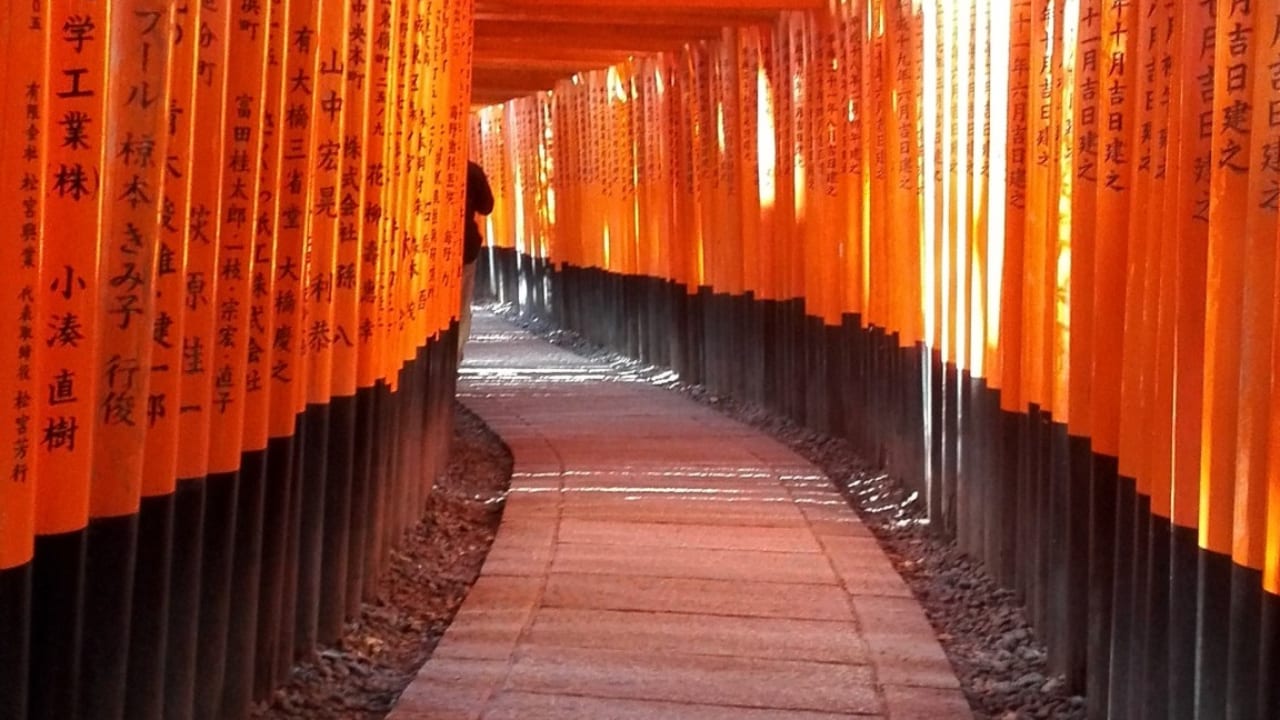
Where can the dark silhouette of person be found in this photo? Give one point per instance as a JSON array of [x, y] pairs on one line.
[[479, 201]]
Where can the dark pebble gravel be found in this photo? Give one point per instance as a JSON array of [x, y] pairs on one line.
[[1001, 663], [430, 574]]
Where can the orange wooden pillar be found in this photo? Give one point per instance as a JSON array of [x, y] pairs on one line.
[[778, 221], [1013, 401], [158, 542], [408, 280], [854, 163], [21, 205], [445, 227], [289, 360], [954, 232], [129, 231], [1168, 134], [1158, 367], [289, 168], [1253, 471], [356, 293], [393, 26], [1037, 295], [164, 554], [1129, 639], [74, 92], [753, 204], [326, 339], [908, 205], [1189, 169], [1230, 207], [268, 383], [235, 483], [1269, 650], [218, 341], [374, 297], [202, 217], [167, 561]]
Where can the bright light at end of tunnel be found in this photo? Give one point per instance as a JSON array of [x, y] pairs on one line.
[[766, 141]]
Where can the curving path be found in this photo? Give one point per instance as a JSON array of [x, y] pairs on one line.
[[658, 560]]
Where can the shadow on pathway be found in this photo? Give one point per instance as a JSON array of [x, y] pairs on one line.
[[658, 560]]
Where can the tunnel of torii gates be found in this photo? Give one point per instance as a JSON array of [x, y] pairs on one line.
[[1022, 254]]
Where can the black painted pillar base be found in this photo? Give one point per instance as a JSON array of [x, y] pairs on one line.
[[1156, 612], [337, 519], [1184, 561], [104, 657], [15, 628], [1080, 473], [362, 480], [287, 630], [1005, 476], [1102, 529], [275, 513], [311, 530], [218, 558], [937, 408], [1031, 492], [184, 600], [1213, 630], [1269, 657], [1244, 644], [1062, 580], [950, 424], [379, 488], [149, 631], [1134, 635], [246, 584], [56, 625]]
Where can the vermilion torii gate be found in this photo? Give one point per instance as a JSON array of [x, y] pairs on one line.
[[1022, 252], [231, 232]]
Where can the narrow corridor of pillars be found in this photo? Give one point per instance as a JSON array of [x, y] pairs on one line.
[[1023, 253], [231, 240]]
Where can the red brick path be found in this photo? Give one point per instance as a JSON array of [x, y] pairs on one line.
[[658, 560]]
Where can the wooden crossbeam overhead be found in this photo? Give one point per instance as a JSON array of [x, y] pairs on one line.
[[484, 97], [525, 46], [566, 68], [667, 15], [600, 35], [521, 79], [540, 54], [725, 6]]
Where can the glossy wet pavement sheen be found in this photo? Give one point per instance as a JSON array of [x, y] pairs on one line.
[[659, 560]]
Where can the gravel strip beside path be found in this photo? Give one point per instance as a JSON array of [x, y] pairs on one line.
[[430, 575]]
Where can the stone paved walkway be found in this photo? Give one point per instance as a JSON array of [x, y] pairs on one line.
[[658, 560]]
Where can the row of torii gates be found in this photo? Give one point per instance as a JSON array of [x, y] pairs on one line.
[[1022, 253]]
